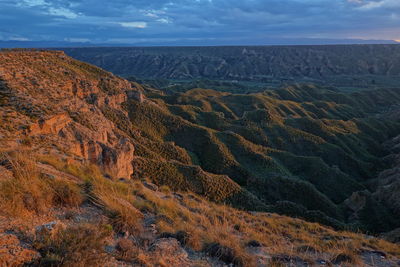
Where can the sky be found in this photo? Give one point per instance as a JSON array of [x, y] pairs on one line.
[[201, 22]]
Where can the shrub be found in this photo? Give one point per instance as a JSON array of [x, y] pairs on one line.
[[26, 191], [66, 193], [76, 246], [116, 199], [225, 254]]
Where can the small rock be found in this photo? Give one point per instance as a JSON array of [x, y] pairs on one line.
[[136, 95], [150, 186], [322, 262], [178, 196], [254, 243], [49, 228], [110, 249], [168, 247], [194, 198]]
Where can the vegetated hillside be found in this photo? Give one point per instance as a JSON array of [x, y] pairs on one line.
[[340, 65], [302, 150], [89, 159]]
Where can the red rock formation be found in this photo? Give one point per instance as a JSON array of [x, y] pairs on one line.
[[59, 100]]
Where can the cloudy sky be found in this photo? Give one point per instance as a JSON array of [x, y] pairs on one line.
[[197, 21]]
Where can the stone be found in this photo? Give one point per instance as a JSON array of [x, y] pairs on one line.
[[136, 95], [150, 186], [116, 161], [254, 243], [49, 229], [168, 247], [50, 125]]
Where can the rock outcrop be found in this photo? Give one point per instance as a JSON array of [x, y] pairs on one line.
[[53, 125], [60, 101]]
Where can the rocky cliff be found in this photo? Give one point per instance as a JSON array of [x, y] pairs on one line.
[[64, 106], [50, 97]]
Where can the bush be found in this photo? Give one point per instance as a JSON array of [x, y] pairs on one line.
[[76, 246], [66, 194], [26, 191], [224, 254]]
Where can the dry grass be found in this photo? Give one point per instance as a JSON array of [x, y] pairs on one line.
[[116, 199], [113, 197], [201, 225], [209, 223], [28, 192], [75, 246]]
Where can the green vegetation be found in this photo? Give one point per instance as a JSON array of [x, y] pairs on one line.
[[278, 145]]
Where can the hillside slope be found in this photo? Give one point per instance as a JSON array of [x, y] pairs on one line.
[[148, 173], [282, 144], [260, 151]]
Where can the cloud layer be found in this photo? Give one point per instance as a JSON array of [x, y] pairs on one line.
[[202, 21]]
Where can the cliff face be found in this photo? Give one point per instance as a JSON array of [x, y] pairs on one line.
[[50, 97]]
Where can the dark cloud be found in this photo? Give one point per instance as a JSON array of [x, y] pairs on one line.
[[205, 21]]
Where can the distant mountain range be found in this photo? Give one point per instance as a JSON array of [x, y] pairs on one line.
[[338, 65], [283, 41]]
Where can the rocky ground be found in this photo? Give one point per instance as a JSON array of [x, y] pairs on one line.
[[150, 247]]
